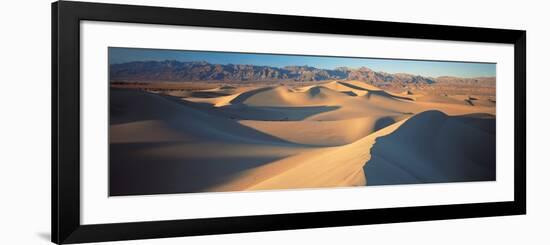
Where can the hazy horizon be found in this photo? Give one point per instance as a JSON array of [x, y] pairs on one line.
[[416, 67]]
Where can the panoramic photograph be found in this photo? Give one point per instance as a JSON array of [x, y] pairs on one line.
[[189, 121]]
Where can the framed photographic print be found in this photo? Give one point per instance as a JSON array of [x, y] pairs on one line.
[[176, 122]]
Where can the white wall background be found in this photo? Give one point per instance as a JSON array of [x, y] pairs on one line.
[[25, 121]]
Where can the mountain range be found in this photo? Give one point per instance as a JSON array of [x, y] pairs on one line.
[[172, 70]]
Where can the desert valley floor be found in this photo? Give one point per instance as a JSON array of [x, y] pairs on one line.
[[331, 134]]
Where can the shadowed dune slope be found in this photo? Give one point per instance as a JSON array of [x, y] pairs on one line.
[[433, 147]]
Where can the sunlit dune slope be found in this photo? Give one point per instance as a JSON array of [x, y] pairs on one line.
[[323, 133]]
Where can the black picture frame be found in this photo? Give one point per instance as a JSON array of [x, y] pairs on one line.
[[66, 226]]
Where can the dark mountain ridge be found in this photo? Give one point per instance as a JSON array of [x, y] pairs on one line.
[[172, 70]]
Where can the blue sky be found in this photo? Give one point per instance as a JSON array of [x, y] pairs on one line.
[[417, 67]]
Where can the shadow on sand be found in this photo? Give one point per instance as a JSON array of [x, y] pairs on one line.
[[131, 172], [432, 147]]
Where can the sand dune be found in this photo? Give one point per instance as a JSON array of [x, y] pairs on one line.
[[316, 103], [323, 133], [406, 152], [140, 106], [324, 167], [370, 90], [282, 96], [215, 101], [434, 147], [160, 146], [440, 99], [339, 86], [373, 102], [347, 100], [339, 133], [225, 95]]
